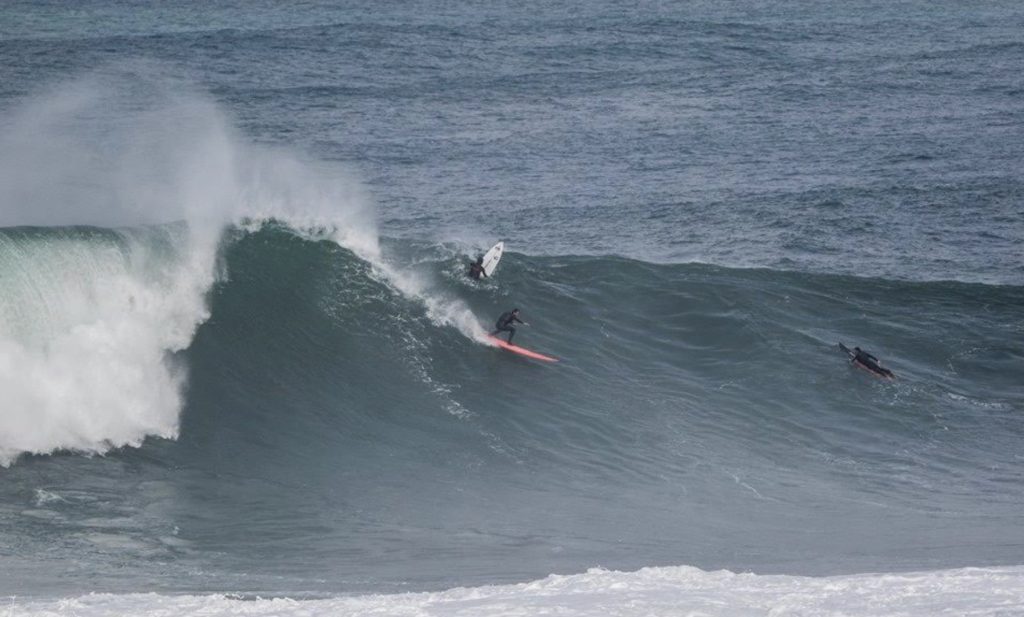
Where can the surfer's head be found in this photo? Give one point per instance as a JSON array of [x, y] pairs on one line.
[[515, 311], [856, 348]]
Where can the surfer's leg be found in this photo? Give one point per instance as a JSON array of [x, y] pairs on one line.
[[510, 329], [511, 332]]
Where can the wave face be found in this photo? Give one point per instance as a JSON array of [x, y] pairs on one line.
[[699, 415]]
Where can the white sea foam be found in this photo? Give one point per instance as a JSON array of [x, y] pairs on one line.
[[668, 591], [84, 331]]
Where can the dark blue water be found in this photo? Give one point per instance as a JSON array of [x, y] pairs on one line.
[[699, 203], [747, 134]]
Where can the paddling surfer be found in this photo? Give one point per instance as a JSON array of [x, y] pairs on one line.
[[869, 362]]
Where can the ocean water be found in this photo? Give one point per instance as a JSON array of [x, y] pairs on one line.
[[242, 370]]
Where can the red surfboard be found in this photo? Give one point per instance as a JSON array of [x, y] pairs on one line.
[[521, 350]]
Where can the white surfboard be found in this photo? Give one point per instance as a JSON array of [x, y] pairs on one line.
[[492, 257]]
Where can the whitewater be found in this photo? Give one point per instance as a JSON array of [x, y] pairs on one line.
[[242, 370], [651, 591]]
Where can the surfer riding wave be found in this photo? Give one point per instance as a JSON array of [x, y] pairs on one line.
[[505, 321]]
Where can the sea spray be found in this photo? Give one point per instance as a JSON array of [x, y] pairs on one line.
[[91, 314], [441, 309]]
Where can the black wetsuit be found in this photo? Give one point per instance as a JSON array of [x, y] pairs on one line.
[[870, 362], [504, 324], [476, 270]]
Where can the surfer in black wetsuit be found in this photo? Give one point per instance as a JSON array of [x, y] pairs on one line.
[[869, 362], [476, 268], [504, 323]]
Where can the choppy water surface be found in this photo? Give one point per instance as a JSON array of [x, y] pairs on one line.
[[239, 353]]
